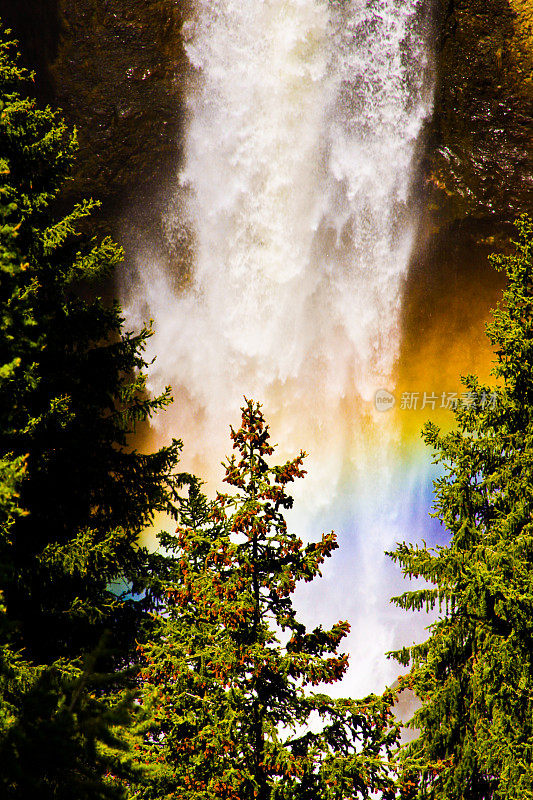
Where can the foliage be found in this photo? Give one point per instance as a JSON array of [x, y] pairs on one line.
[[228, 672], [474, 675], [73, 496]]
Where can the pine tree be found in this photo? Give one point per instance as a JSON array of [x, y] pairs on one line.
[[75, 495], [474, 674], [228, 673]]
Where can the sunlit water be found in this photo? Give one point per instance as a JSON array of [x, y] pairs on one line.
[[294, 200]]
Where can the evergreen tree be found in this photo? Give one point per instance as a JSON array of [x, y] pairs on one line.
[[74, 497], [228, 673], [474, 675]]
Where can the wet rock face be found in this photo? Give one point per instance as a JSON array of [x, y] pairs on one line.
[[482, 153], [116, 76], [115, 67]]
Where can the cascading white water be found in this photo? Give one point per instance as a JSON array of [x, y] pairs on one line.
[[304, 117]]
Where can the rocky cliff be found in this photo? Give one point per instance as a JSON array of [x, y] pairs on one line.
[[117, 68], [481, 151]]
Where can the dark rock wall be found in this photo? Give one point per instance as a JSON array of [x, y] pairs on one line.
[[481, 152], [116, 76], [478, 177], [116, 68]]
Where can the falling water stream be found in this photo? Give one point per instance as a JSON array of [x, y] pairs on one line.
[[294, 201]]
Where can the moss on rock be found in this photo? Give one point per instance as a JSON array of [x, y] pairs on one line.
[[522, 45]]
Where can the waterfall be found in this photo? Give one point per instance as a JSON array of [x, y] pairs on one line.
[[294, 205]]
